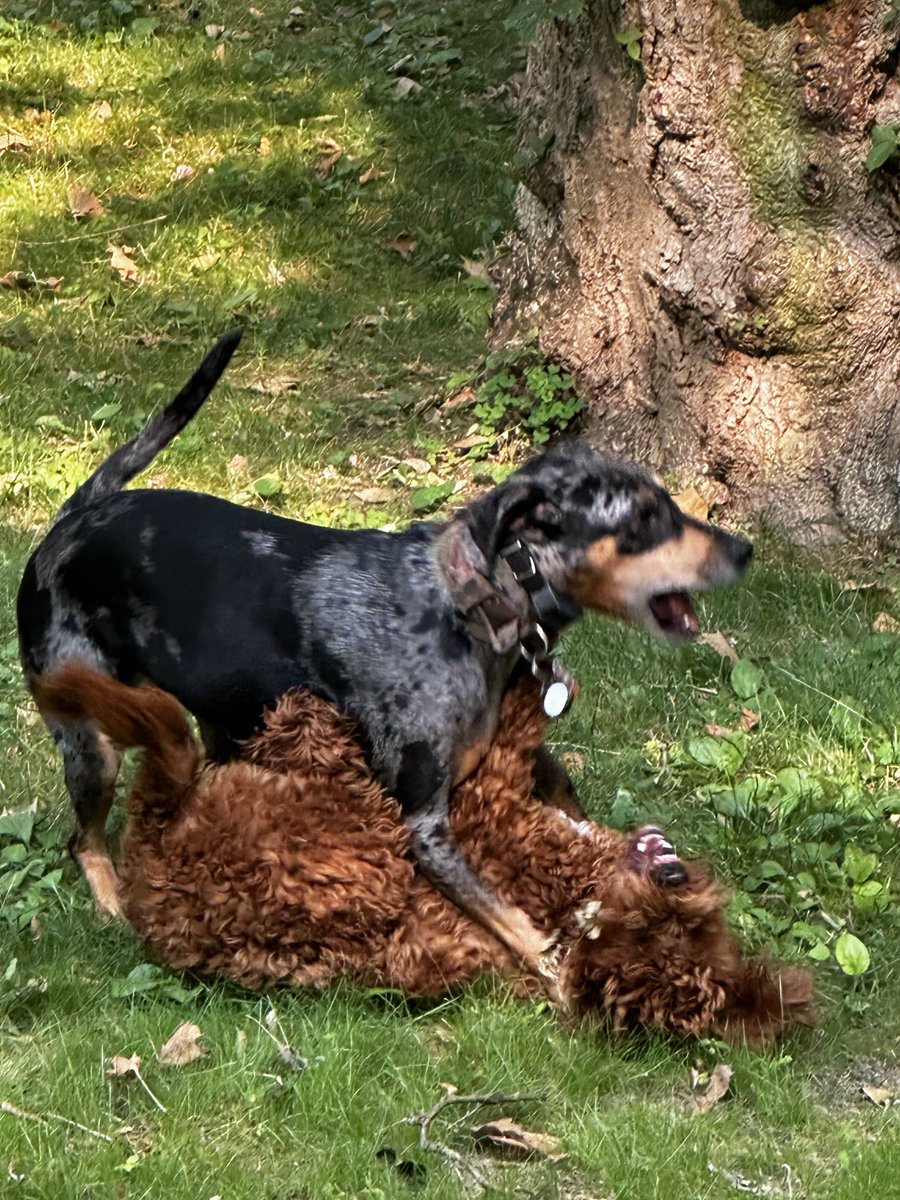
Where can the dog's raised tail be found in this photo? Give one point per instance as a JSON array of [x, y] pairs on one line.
[[129, 460], [128, 716]]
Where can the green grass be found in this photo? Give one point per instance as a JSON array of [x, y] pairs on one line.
[[336, 393]]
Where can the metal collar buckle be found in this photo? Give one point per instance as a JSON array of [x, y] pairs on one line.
[[557, 684]]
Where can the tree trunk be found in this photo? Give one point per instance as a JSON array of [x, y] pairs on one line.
[[700, 242]]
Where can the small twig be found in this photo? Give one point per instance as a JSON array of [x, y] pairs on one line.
[[139, 1077], [49, 1118], [106, 233], [458, 1160]]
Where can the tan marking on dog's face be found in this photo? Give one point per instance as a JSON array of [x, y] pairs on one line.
[[623, 584]]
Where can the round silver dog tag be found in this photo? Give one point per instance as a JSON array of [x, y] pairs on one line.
[[556, 699]]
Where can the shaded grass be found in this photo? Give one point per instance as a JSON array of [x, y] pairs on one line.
[[350, 344]]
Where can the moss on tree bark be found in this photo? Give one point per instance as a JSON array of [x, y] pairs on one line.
[[700, 242]]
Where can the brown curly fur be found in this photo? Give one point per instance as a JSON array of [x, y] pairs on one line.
[[291, 866]]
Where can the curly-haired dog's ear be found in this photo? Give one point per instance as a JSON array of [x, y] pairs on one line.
[[490, 518]]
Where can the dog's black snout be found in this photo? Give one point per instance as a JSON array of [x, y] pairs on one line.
[[741, 552]]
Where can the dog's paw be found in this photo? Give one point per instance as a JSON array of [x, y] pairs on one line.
[[652, 854]]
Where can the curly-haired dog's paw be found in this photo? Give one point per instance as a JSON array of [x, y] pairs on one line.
[[651, 853]]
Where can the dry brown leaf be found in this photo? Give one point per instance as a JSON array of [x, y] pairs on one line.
[[183, 1046], [207, 259], [717, 730], [476, 268], [419, 465], [574, 760], [375, 495], [219, 51], [265, 147], [83, 204], [881, 1096], [214, 31], [511, 1140], [122, 263], [406, 87], [719, 642], [14, 143], [473, 439], [24, 281], [102, 111], [330, 152], [121, 1067], [885, 623], [716, 1088], [370, 174], [38, 116], [749, 719], [405, 245], [693, 503]]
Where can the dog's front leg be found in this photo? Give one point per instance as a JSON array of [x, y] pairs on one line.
[[440, 859]]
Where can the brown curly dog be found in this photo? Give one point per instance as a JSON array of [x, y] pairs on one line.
[[251, 870]]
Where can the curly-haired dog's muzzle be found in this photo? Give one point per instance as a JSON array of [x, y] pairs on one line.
[[416, 635]]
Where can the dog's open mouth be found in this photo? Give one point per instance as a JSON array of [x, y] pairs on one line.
[[674, 615]]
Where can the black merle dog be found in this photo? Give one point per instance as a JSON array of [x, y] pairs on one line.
[[415, 634]]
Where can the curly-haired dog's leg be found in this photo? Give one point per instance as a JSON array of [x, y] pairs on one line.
[[651, 853]]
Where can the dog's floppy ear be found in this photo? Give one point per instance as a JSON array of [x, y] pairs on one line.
[[489, 519]]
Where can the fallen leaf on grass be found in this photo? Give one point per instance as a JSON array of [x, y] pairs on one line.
[[102, 111], [881, 1096], [406, 87], [183, 173], [693, 503], [717, 730], [122, 263], [13, 143], [183, 1046], [38, 116], [83, 204], [419, 465], [719, 642], [214, 31], [121, 1067], [476, 269], [375, 495], [219, 52], [405, 245], [715, 1089], [24, 281], [511, 1140], [749, 719], [885, 623], [330, 153], [369, 174]]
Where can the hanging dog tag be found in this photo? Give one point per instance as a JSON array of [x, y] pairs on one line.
[[557, 698]]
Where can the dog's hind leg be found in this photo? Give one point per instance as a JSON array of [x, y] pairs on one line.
[[91, 766]]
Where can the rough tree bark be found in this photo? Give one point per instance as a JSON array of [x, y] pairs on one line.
[[700, 243]]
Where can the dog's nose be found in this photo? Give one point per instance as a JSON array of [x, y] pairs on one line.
[[741, 552]]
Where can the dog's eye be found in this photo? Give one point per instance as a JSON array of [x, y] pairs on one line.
[[546, 516]]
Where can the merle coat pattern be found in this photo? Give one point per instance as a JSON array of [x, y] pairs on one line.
[[228, 607]]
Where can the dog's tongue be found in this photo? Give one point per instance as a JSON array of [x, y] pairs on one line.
[[674, 614]]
